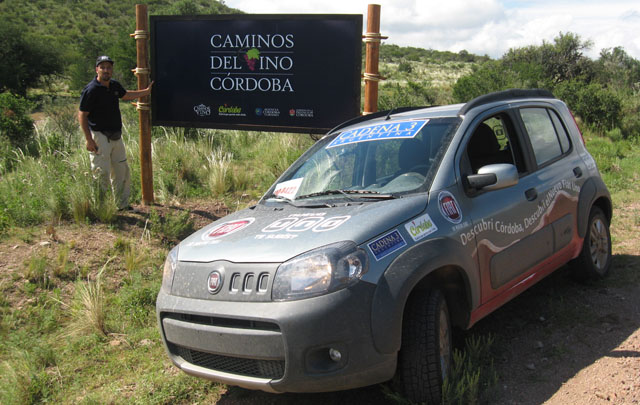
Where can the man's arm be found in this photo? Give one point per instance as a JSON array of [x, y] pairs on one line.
[[83, 119], [133, 94]]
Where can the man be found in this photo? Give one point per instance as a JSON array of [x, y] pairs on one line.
[[101, 122]]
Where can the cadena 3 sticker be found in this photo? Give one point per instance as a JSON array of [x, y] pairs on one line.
[[387, 244], [227, 228], [449, 207]]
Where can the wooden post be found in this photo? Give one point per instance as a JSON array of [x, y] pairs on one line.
[[371, 74], [144, 105]]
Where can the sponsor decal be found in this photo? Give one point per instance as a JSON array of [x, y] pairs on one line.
[[421, 227], [202, 110], [393, 130], [227, 228], [288, 189], [267, 112], [214, 282], [303, 223], [449, 207], [387, 244], [230, 111], [301, 112]]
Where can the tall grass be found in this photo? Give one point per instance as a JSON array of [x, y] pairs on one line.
[[57, 184]]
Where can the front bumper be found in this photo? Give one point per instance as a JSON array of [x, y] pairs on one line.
[[277, 346]]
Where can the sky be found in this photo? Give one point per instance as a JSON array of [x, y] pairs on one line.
[[481, 27]]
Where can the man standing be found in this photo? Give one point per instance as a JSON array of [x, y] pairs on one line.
[[101, 122]]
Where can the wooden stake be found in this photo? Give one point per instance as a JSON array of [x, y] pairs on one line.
[[143, 105], [371, 73]]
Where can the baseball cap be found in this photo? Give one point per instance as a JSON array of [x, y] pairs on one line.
[[103, 58]]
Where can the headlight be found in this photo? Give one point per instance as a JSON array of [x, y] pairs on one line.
[[170, 265], [320, 271]]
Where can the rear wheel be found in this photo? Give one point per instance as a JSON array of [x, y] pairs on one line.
[[594, 260], [425, 357]]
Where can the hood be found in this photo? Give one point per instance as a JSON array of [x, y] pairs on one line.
[[276, 233]]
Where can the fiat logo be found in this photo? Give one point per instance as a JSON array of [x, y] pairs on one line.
[[215, 282]]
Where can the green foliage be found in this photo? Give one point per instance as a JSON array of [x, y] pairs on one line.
[[592, 102], [617, 69], [472, 373], [15, 123], [488, 77], [46, 36], [171, 227], [411, 94], [390, 52], [25, 57]]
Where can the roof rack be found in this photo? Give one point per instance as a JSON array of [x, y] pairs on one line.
[[362, 118], [505, 95]]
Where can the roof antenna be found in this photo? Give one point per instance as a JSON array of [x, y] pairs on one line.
[[389, 114]]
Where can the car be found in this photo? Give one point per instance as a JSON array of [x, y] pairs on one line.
[[389, 232]]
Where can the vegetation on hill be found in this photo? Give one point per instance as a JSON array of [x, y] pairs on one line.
[[69, 35]]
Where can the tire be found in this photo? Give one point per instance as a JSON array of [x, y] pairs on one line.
[[594, 260], [426, 353]]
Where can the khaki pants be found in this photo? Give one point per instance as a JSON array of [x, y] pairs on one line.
[[109, 164]]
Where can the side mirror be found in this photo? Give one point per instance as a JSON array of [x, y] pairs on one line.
[[494, 177]]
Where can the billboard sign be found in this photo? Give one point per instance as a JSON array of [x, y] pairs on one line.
[[290, 73]]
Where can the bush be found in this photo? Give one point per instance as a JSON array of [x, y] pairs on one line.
[[15, 123], [596, 105], [411, 94]]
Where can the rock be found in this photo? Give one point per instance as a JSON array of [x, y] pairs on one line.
[[539, 344], [530, 366]]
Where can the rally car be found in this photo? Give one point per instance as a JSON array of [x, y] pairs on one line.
[[391, 230]]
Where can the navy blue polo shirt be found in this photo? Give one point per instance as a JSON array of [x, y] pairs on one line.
[[102, 104]]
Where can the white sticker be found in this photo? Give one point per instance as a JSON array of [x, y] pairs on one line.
[[421, 227], [288, 189]]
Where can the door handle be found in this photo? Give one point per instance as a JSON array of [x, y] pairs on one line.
[[578, 172], [531, 194]]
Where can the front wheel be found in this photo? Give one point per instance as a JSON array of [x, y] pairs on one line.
[[425, 356], [594, 260]]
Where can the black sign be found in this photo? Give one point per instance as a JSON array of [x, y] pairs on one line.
[[291, 73]]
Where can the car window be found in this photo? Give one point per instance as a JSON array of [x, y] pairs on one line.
[[563, 137], [493, 142], [542, 134]]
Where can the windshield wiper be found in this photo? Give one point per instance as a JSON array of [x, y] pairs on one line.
[[292, 202], [282, 199], [347, 193]]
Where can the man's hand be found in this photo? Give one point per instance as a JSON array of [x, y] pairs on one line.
[[92, 146]]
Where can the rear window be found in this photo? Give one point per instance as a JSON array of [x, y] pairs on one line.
[[546, 133]]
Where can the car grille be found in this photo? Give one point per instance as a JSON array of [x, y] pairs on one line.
[[272, 369]]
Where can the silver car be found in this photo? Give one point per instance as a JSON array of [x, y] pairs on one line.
[[393, 228]]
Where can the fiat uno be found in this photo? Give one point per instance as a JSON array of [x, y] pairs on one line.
[[391, 230]]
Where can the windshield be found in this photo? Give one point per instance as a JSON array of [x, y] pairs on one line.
[[380, 160]]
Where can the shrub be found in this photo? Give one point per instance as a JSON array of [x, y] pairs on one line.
[[171, 228], [596, 105], [15, 123]]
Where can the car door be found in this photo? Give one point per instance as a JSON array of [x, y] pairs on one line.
[[516, 229]]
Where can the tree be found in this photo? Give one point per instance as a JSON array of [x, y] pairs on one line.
[[25, 58], [618, 70], [550, 64]]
